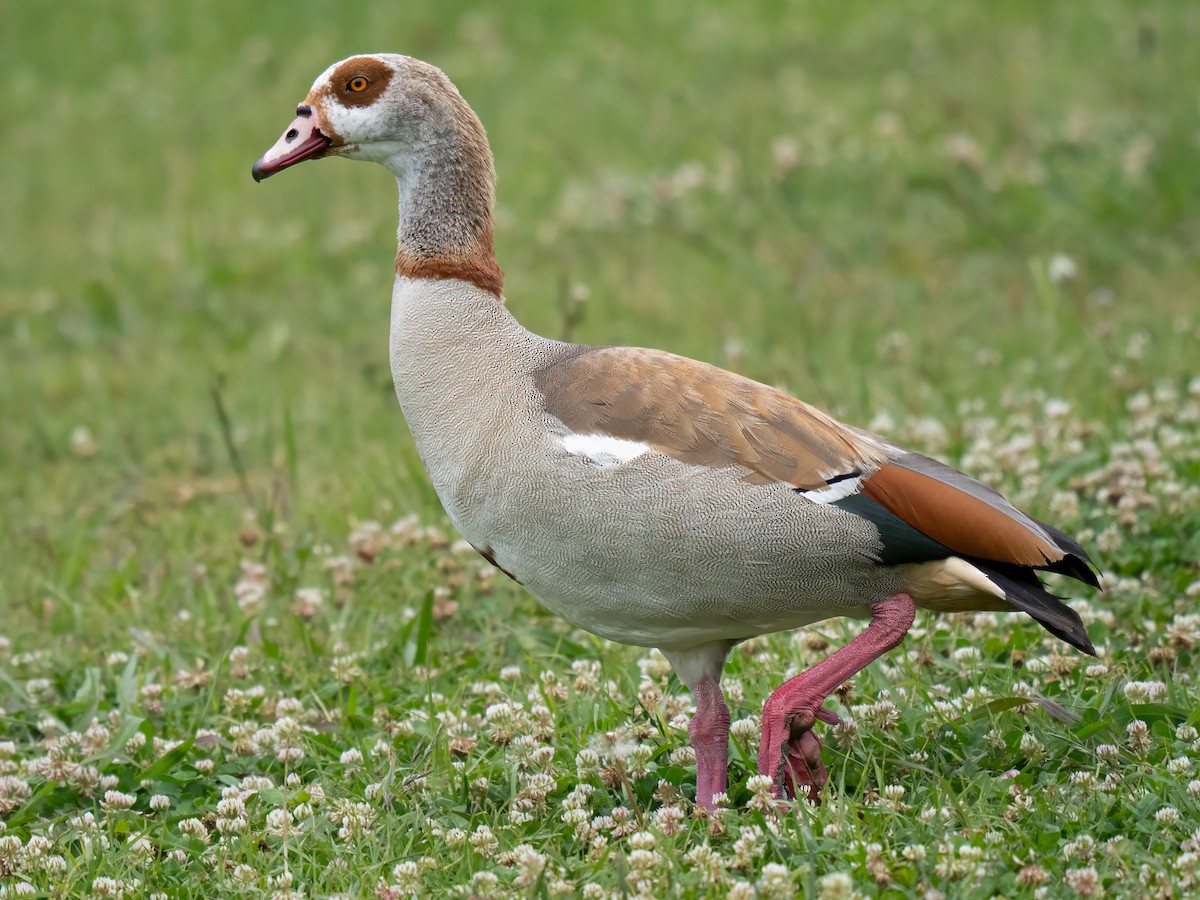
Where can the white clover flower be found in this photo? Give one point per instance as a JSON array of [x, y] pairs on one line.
[[309, 601], [530, 864], [1085, 882], [407, 876], [1138, 735], [683, 756], [1083, 847], [745, 729], [231, 807], [484, 841], [1179, 765], [587, 762], [140, 848], [117, 800], [775, 881], [283, 886], [1031, 876], [1144, 691], [1167, 816], [882, 714], [113, 887], [654, 665], [351, 757], [747, 846], [836, 886], [1086, 780], [1031, 748], [354, 819], [964, 150], [485, 884], [669, 820], [193, 828], [758, 784], [236, 825], [638, 760], [1061, 268], [279, 822], [642, 840]]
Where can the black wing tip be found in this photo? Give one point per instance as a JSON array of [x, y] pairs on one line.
[[1028, 595], [1075, 562], [1086, 646], [1072, 632], [1065, 542], [1074, 566]]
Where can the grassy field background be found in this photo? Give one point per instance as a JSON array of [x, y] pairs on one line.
[[226, 583]]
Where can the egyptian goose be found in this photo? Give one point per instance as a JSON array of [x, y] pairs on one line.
[[651, 499]]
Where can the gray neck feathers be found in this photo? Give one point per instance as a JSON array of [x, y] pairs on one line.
[[446, 194], [447, 187]]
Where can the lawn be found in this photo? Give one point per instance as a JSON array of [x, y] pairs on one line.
[[242, 652]]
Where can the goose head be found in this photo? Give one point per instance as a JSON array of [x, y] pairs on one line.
[[407, 115], [379, 107]]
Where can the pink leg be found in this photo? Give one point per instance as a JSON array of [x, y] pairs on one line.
[[790, 753], [709, 729]]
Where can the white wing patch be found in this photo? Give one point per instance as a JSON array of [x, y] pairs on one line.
[[834, 492], [603, 451]]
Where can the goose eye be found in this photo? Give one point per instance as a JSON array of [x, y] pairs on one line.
[[357, 84]]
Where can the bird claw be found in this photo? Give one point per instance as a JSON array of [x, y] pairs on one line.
[[828, 716], [799, 767]]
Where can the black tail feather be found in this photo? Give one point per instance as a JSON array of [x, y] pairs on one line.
[[1023, 590], [1076, 564], [1074, 567], [1067, 543]]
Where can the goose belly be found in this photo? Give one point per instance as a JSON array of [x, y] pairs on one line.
[[654, 552]]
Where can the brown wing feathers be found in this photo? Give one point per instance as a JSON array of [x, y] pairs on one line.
[[702, 415]]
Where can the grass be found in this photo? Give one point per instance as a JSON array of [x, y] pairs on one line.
[[940, 220]]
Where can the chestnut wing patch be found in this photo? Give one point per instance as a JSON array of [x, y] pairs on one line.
[[969, 518], [705, 416]]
